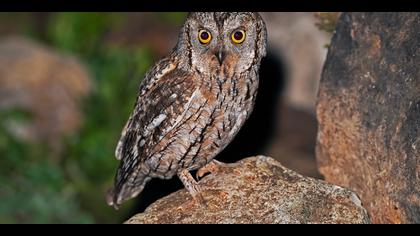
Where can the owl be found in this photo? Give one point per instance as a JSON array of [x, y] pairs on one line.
[[192, 103]]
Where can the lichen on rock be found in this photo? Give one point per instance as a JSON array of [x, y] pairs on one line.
[[368, 111]]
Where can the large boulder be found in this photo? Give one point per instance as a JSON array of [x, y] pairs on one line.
[[368, 111], [258, 190]]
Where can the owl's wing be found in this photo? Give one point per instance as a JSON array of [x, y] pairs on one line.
[[161, 101]]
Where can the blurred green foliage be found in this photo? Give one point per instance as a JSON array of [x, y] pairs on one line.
[[171, 18], [81, 32], [36, 187]]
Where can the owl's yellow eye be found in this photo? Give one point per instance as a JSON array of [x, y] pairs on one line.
[[238, 36], [204, 36]]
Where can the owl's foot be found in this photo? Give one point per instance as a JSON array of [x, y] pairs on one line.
[[192, 186], [212, 167]]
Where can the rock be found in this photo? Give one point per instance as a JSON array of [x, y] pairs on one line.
[[258, 190], [368, 111], [43, 83]]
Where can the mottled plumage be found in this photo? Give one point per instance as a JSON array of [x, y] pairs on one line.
[[192, 103]]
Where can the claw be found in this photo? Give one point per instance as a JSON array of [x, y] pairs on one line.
[[212, 167]]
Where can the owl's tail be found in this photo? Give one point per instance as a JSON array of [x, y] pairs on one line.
[[121, 193]]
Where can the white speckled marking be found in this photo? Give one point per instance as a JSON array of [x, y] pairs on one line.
[[142, 142], [164, 71], [356, 200], [158, 120], [186, 107], [155, 123]]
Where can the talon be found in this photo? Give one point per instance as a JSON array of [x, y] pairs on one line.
[[201, 172], [212, 167]]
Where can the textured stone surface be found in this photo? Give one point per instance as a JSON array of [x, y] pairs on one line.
[[369, 113], [258, 190]]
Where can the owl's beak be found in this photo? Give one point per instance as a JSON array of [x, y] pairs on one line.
[[220, 55]]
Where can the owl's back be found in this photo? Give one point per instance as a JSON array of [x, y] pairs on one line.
[[161, 99]]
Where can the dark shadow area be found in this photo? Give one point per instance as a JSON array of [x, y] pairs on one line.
[[259, 130], [252, 139], [294, 144]]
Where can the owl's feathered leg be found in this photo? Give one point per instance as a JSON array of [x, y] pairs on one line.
[[212, 167], [191, 185]]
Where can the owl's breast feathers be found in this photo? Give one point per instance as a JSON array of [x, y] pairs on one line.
[[180, 120]]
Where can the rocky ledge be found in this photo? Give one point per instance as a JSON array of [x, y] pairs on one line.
[[258, 190]]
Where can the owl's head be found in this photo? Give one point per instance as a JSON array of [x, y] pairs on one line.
[[223, 41]]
